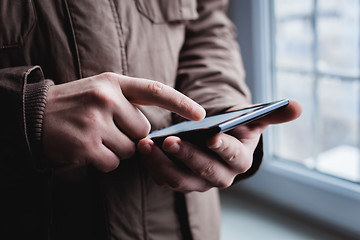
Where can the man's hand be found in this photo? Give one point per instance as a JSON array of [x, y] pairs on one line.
[[95, 120], [204, 170]]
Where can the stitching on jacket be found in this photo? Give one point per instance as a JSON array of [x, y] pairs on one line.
[[120, 34], [33, 25], [181, 12], [74, 38], [9, 46], [23, 36]]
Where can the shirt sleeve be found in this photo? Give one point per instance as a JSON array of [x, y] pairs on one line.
[[210, 66]]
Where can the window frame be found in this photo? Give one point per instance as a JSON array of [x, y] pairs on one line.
[[330, 201]]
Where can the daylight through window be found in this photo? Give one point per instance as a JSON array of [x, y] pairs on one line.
[[315, 60]]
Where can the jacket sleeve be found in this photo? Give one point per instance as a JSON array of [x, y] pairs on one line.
[[22, 102], [210, 67]]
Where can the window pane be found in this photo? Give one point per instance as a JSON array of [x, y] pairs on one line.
[[338, 128], [291, 8], [338, 112], [316, 59], [289, 143], [338, 37], [294, 34]]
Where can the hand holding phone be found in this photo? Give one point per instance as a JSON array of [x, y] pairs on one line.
[[196, 131], [183, 166]]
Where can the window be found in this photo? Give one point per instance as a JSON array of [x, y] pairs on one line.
[[308, 51], [315, 46]]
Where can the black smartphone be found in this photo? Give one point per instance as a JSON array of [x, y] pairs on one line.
[[196, 131]]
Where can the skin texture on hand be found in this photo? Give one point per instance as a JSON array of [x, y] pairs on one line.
[[204, 169], [95, 120]]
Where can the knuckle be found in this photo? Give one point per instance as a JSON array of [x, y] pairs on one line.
[[155, 87], [233, 157], [110, 165], [209, 171], [204, 189], [101, 95], [178, 184], [225, 183], [188, 155], [223, 148], [108, 75], [245, 164], [181, 184], [185, 104], [98, 95]]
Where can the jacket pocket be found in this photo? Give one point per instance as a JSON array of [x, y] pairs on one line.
[[167, 11], [17, 18]]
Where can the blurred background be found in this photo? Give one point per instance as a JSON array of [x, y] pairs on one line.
[[309, 184]]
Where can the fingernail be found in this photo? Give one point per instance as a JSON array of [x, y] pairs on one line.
[[145, 148], [201, 111], [174, 148]]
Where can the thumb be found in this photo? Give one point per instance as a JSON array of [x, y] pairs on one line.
[[285, 114]]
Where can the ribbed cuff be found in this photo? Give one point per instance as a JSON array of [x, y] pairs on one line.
[[35, 101]]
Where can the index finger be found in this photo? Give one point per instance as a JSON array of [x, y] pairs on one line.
[[148, 92]]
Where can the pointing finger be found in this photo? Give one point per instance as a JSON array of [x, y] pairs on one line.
[[147, 92]]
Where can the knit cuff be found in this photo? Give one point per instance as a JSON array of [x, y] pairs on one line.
[[35, 101]]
